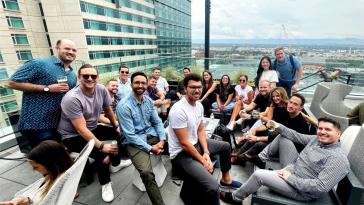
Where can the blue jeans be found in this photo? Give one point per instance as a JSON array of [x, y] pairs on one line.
[[250, 122], [228, 107], [287, 85], [170, 95], [35, 137]]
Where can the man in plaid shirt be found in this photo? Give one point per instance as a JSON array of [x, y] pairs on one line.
[[305, 176]]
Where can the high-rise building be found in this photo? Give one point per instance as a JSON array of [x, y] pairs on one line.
[[107, 33]]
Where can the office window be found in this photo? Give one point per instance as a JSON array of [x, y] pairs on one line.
[[116, 14], [83, 7], [24, 55], [102, 26], [117, 27], [10, 4], [111, 27], [88, 40], [1, 58], [126, 41], [19, 38], [3, 73], [4, 91], [104, 40], [109, 13], [9, 106], [92, 9], [97, 40], [94, 25], [15, 22], [100, 11]]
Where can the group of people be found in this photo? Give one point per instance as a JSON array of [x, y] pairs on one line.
[[125, 110]]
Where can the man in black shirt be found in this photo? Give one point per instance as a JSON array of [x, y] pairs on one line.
[[261, 102], [292, 119]]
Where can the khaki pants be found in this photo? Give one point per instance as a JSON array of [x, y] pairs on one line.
[[141, 161]]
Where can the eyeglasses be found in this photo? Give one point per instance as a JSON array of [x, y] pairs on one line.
[[126, 72], [242, 81], [140, 83], [195, 87], [86, 76]]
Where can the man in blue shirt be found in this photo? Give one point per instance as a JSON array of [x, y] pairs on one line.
[[124, 82], [42, 95], [289, 75], [142, 131]]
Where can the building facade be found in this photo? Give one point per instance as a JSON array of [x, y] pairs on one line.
[[141, 34]]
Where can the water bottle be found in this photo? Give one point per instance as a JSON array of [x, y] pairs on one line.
[[212, 116]]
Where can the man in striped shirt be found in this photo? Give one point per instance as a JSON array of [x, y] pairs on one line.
[[305, 176]]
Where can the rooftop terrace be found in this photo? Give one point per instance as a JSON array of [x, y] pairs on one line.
[[16, 175]]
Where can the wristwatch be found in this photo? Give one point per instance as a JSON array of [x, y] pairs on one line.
[[116, 127], [206, 152], [46, 88], [258, 139]]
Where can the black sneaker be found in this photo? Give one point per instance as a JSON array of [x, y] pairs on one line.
[[227, 197], [233, 185], [257, 161]]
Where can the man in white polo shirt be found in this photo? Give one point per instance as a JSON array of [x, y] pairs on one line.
[[190, 150], [162, 84]]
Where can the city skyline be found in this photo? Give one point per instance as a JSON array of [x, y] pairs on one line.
[[260, 19]]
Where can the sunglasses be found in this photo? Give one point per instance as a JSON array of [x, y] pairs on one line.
[[86, 77], [242, 81], [126, 72]]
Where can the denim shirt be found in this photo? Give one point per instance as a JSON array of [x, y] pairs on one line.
[[124, 89], [136, 120]]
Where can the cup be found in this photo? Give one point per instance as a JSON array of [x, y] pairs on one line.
[[222, 106], [271, 126], [62, 80], [114, 143], [241, 113], [256, 114], [116, 118]]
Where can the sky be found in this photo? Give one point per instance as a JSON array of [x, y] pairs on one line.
[[263, 19]]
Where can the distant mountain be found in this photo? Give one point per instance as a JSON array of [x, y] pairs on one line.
[[324, 41]]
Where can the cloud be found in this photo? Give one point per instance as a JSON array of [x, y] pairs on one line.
[[261, 19]]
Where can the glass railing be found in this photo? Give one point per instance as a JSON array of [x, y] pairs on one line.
[[10, 100]]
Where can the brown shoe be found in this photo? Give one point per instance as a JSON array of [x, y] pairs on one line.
[[235, 154], [234, 160], [76, 195]]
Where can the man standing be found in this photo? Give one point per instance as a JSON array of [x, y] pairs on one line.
[[180, 89], [111, 86], [292, 119], [124, 82], [303, 177], [142, 131], [190, 150], [42, 95], [157, 96], [261, 102], [289, 69], [162, 84], [81, 108]]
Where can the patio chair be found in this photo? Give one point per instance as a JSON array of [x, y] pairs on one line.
[[328, 100], [64, 190]]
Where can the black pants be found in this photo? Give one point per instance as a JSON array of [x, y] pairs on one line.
[[76, 144], [193, 169], [254, 148], [206, 103]]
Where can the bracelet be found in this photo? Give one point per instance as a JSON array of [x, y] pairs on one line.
[[101, 146], [206, 152]]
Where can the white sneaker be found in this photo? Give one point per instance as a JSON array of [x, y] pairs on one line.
[[123, 164], [240, 121], [246, 129], [231, 126], [107, 193]]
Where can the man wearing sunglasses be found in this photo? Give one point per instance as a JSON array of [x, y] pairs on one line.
[[190, 150], [42, 95], [142, 132], [81, 108], [124, 82]]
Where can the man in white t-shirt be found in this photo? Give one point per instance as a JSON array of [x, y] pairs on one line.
[[162, 84], [190, 150]]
